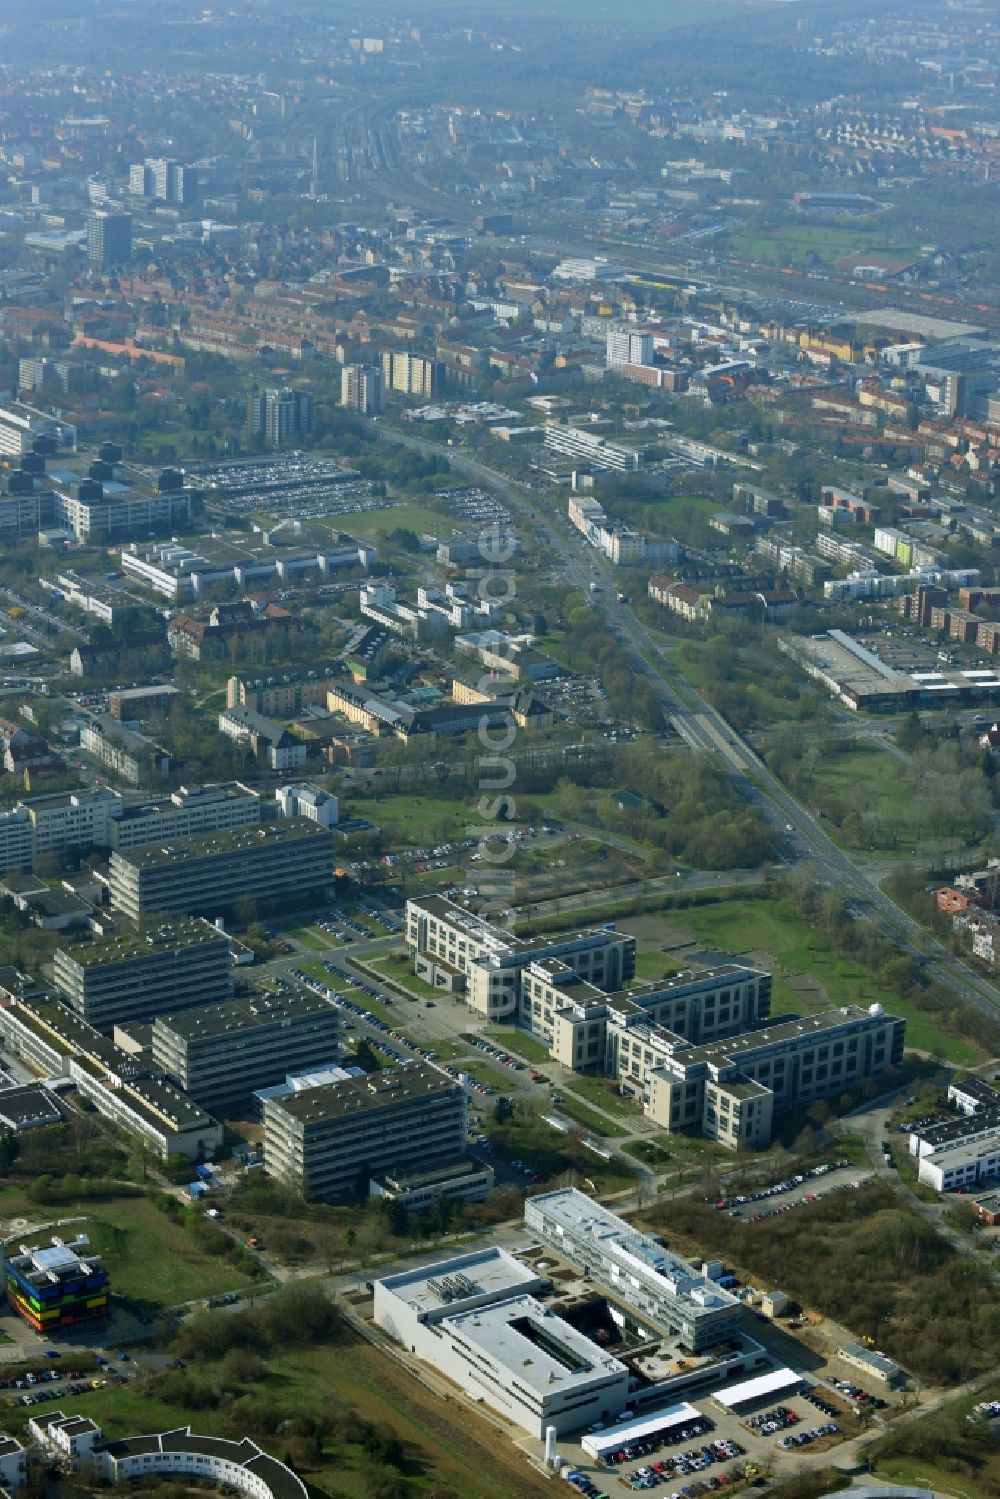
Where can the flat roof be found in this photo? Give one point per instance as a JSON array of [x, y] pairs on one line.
[[536, 1346], [377, 1090], [252, 1012], [490, 1273], [598, 1443], [145, 938], [239, 840], [765, 1385]]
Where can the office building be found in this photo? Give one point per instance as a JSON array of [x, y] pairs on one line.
[[327, 1142], [276, 862], [278, 417], [27, 432], [135, 974], [464, 1180], [731, 1090], [456, 951], [654, 1284], [621, 1033], [57, 1288], [593, 448], [628, 346], [308, 801], [220, 1054], [477, 1320], [362, 389], [412, 375], [109, 238], [957, 1154]]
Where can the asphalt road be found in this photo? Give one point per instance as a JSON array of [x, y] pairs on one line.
[[705, 730]]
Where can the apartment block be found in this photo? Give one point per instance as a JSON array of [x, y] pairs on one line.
[[327, 1142], [221, 1054], [413, 375], [134, 974], [282, 861], [457, 951], [362, 389]]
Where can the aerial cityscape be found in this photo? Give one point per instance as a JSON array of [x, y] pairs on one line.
[[500, 735]]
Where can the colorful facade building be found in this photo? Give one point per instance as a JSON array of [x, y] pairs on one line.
[[57, 1287]]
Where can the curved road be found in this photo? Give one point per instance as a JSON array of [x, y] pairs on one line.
[[705, 730]]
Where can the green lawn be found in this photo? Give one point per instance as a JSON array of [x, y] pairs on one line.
[[775, 932], [311, 937], [406, 517], [154, 1259], [588, 1118], [400, 973], [794, 243], [519, 1043], [445, 1448], [323, 976], [602, 1093], [654, 1154], [654, 965]]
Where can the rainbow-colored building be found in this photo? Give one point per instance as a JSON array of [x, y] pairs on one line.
[[57, 1287]]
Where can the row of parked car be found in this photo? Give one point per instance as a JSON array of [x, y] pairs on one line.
[[382, 918], [670, 1436], [498, 1054], [857, 1394], [768, 1422], [476, 1087], [811, 1434], [687, 1463], [777, 1188]]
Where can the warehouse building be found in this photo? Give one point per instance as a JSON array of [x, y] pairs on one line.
[[327, 1142], [275, 863], [220, 1054], [637, 1270], [137, 973], [476, 1319]]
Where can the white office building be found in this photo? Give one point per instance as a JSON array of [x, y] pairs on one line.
[[477, 1320], [635, 1268], [628, 346]]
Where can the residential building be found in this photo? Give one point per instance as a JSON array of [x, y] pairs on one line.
[[628, 346], [59, 1287], [278, 697], [158, 967], [362, 389], [267, 739], [234, 1467], [476, 1319], [109, 238], [71, 1439], [412, 375], [129, 704], [326, 1142], [128, 755], [454, 950], [220, 1054], [654, 1284], [277, 417], [13, 1463], [283, 861]]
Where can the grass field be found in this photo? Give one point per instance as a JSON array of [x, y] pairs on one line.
[[653, 1153], [400, 974], [794, 243], [875, 784], [446, 1448], [311, 937], [587, 1118], [809, 975], [152, 1258], [518, 1043], [378, 523], [654, 965], [603, 1094]]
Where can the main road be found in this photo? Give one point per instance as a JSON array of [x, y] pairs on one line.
[[705, 730]]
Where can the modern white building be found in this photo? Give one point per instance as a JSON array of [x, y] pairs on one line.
[[13, 1463], [72, 1438], [635, 1268], [238, 1467], [593, 447], [308, 801], [476, 1319], [628, 346]]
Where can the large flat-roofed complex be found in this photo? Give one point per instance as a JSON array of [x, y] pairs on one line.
[[220, 1054], [190, 810], [454, 949], [477, 1320], [958, 1153], [137, 973], [57, 1287], [730, 1090], [637, 1270], [277, 862], [327, 1142]]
